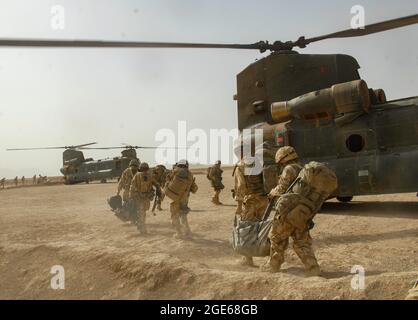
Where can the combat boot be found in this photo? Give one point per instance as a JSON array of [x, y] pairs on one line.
[[247, 261], [141, 228], [273, 264], [270, 266]]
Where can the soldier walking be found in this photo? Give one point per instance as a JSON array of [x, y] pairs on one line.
[[16, 181], [34, 179], [214, 174], [126, 179], [301, 192], [252, 187], [2, 182], [180, 183], [160, 176], [23, 180], [142, 192]]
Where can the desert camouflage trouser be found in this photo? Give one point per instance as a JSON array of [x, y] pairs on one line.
[[142, 206], [291, 223], [125, 194], [215, 197], [253, 207], [179, 213]]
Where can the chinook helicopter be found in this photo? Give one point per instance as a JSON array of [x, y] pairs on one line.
[[77, 169], [318, 104]]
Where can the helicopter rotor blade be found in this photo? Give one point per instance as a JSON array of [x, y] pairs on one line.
[[80, 146], [83, 145], [128, 147], [44, 148], [54, 43], [262, 46], [369, 29]]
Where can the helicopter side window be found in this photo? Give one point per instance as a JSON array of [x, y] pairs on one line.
[[355, 143]]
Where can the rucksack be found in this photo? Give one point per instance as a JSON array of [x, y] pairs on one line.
[[179, 185], [319, 177], [316, 182]]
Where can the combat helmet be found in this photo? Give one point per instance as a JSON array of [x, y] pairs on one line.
[[134, 163], [143, 166], [183, 164], [286, 154]]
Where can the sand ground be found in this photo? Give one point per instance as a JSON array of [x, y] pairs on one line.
[[104, 258]]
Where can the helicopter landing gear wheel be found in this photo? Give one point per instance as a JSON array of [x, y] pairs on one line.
[[345, 199]]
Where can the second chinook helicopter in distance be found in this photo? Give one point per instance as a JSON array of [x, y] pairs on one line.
[[318, 104], [77, 169]]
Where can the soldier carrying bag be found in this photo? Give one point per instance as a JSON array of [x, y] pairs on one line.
[[250, 238]]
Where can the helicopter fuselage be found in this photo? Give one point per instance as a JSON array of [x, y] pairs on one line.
[[298, 100], [375, 153]]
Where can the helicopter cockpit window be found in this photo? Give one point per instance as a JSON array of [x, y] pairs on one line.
[[355, 143]]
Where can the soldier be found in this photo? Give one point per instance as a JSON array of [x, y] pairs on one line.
[[39, 179], [160, 176], [142, 192], [309, 187], [16, 180], [413, 293], [23, 180], [126, 179], [2, 182], [239, 188], [34, 179], [287, 160], [215, 176], [180, 183], [252, 187]]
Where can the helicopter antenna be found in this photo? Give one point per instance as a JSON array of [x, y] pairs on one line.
[[79, 146], [262, 46]]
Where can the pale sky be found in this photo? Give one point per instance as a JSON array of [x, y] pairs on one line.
[[52, 97]]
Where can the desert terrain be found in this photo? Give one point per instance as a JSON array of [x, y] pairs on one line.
[[105, 258]]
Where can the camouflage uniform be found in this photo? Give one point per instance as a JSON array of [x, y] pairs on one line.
[[293, 217], [254, 198], [239, 186], [142, 192], [23, 180], [179, 208], [160, 176], [288, 175], [413, 293], [16, 179], [126, 179], [34, 179], [215, 177], [2, 182]]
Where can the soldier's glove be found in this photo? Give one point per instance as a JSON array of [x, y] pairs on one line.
[[311, 224]]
